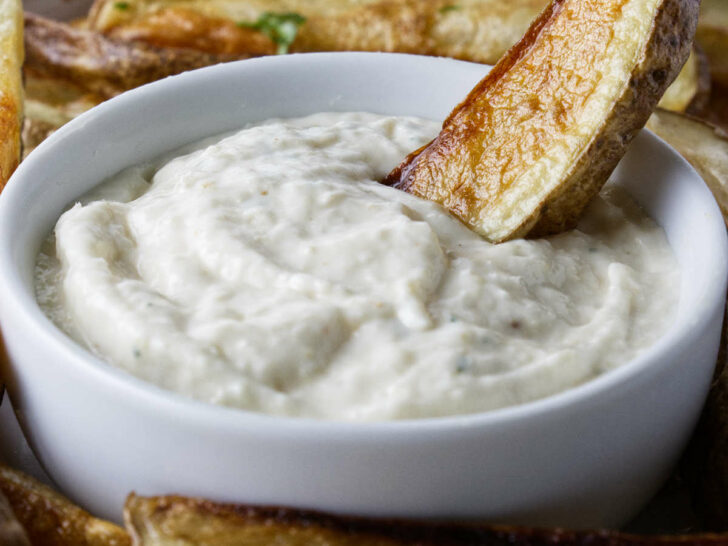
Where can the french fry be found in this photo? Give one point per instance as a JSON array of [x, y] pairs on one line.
[[537, 138], [712, 35], [477, 30], [11, 90], [50, 519], [702, 144], [180, 521], [690, 92], [101, 65], [49, 104], [473, 30]]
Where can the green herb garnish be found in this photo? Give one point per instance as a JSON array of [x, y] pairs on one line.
[[123, 6], [449, 8], [282, 28]]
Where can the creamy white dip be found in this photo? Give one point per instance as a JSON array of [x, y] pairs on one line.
[[270, 271]]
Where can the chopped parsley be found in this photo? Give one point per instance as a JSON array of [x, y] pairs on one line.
[[123, 6], [449, 7], [282, 28]]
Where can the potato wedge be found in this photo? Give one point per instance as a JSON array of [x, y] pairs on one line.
[[690, 91], [11, 90], [713, 37], [477, 30], [537, 138], [472, 30], [702, 144], [49, 104], [101, 65], [180, 521], [50, 519]]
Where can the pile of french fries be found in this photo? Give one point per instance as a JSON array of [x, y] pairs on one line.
[[122, 44], [33, 514]]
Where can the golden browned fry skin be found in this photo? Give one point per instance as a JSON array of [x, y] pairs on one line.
[[11, 90], [49, 519], [702, 144], [102, 65], [11, 532], [181, 521], [537, 138]]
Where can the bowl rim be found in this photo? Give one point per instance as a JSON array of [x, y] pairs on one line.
[[25, 311]]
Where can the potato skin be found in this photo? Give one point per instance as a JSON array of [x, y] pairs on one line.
[[476, 160], [102, 65], [160, 521], [50, 519], [666, 52]]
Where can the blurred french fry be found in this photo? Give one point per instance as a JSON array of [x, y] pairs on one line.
[[50, 519], [702, 144], [11, 90], [690, 91], [181, 521], [713, 37], [477, 30], [101, 65], [49, 104]]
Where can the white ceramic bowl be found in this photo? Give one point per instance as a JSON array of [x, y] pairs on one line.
[[590, 456]]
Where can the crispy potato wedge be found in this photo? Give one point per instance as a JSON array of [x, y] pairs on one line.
[[50, 519], [180, 521], [11, 90], [537, 138], [100, 65], [713, 37], [702, 144]]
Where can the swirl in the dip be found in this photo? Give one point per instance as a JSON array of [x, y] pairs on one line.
[[270, 271]]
